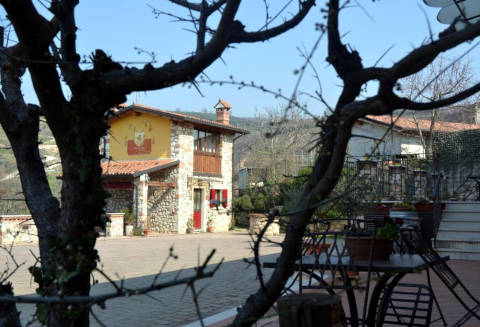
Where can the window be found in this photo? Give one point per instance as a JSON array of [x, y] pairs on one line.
[[218, 197], [206, 141]]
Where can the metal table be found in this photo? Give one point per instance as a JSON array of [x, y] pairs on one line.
[[392, 271]]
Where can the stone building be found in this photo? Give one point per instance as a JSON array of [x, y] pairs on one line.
[[173, 170]]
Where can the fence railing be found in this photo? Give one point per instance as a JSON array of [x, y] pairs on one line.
[[412, 178]]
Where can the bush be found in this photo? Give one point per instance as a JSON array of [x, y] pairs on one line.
[[259, 205], [245, 203], [137, 231], [128, 217]]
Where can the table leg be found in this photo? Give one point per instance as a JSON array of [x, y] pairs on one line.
[[377, 291], [387, 292]]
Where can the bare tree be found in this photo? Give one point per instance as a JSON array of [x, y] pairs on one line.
[[337, 130], [439, 80], [66, 230], [280, 137]]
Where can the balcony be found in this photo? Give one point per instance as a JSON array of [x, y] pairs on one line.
[[207, 163]]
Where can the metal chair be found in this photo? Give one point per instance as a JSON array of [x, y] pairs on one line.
[[408, 305], [414, 241]]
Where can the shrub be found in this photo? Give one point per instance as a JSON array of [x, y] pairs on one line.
[[128, 217], [245, 203], [259, 205]]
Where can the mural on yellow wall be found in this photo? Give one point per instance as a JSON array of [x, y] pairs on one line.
[[138, 136]]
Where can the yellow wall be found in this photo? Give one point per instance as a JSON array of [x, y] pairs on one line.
[[139, 129]]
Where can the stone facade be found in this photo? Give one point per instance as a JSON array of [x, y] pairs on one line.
[[162, 202], [119, 200], [17, 229], [182, 149]]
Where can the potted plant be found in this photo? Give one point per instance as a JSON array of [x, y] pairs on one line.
[[405, 211], [422, 205], [190, 228], [147, 231], [210, 225], [128, 220], [360, 242]]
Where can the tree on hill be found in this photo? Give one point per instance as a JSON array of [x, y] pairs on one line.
[[47, 48]]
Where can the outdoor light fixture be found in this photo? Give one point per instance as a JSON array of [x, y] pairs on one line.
[[464, 11]]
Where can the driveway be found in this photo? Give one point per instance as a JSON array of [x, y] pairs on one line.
[[137, 260]]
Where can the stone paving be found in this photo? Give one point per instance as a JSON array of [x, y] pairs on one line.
[[138, 259]]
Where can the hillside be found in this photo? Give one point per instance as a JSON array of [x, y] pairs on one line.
[[11, 195]]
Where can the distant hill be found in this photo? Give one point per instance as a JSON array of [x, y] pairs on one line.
[[249, 123]]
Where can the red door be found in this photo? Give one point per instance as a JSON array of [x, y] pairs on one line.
[[197, 208]]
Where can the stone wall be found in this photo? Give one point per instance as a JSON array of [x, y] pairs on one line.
[[181, 135], [257, 222], [22, 229], [17, 229], [162, 202], [114, 228], [119, 200]]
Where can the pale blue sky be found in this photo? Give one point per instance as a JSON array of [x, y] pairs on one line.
[[118, 26]]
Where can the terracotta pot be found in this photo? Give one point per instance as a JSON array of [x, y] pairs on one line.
[[423, 207], [319, 248], [147, 232], [359, 247], [190, 230], [210, 229]]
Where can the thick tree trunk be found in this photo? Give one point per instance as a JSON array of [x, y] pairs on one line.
[[83, 200]]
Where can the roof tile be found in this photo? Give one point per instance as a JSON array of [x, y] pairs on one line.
[[424, 124], [116, 168]]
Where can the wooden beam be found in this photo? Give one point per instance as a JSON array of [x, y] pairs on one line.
[[161, 184]]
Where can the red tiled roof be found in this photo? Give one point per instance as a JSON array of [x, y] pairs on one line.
[[182, 117], [408, 124], [131, 168]]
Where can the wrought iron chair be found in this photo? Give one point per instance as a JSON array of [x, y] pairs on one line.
[[413, 241], [408, 305]]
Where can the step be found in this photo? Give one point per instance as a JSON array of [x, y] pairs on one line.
[[460, 224], [465, 232], [452, 243], [461, 214], [470, 205], [460, 254]]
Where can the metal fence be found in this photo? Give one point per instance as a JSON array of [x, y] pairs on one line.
[[410, 178]]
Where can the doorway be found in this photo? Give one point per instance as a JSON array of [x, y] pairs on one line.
[[197, 208]]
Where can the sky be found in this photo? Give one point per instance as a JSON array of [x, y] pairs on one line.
[[120, 27]]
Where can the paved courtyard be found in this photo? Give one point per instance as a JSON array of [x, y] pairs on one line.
[[137, 260]]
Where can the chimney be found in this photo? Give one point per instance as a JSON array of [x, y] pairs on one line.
[[222, 109]]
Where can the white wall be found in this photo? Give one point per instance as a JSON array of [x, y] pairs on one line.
[[393, 142]]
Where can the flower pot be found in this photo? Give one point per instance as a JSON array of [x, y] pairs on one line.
[[190, 230], [359, 247], [210, 229], [147, 232], [128, 230], [423, 207]]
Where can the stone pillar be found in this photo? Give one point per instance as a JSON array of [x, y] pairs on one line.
[[140, 199], [420, 181], [397, 176]]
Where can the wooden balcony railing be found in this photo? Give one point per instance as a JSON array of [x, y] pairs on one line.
[[207, 163]]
